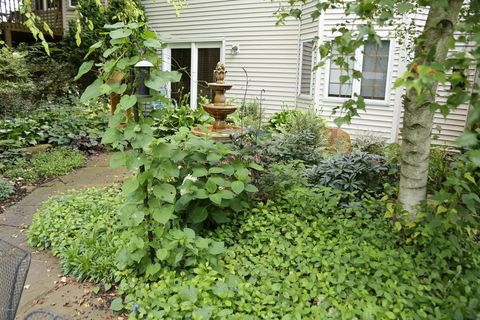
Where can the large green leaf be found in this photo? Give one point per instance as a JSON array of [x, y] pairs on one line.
[[84, 68], [120, 33], [117, 160], [127, 102], [163, 214], [237, 187], [158, 79], [130, 185], [92, 91], [165, 192]]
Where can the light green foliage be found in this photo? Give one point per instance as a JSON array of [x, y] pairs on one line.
[[82, 229], [6, 189], [170, 118], [249, 115], [357, 172], [298, 122], [306, 256], [370, 143], [15, 79], [53, 163]]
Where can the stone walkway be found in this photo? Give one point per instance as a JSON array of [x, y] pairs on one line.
[[45, 287]]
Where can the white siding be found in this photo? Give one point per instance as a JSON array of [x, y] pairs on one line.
[[269, 53], [378, 118]]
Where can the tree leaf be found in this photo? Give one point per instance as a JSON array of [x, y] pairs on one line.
[[84, 68], [120, 33], [130, 185], [158, 79], [92, 91], [117, 160]]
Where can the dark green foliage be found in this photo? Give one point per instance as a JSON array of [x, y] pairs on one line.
[[68, 123], [6, 189], [278, 178], [357, 172], [284, 147], [82, 229], [52, 74], [53, 163], [440, 166], [16, 82]]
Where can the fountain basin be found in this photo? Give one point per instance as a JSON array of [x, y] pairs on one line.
[[220, 135], [220, 113]]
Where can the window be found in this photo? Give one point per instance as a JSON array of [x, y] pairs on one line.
[[374, 70], [374, 66], [306, 71], [73, 3], [335, 86]]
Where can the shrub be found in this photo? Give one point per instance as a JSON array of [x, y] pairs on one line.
[[370, 143], [16, 81], [53, 163], [284, 147], [299, 122], [440, 166], [6, 189], [357, 172], [82, 229], [280, 177]]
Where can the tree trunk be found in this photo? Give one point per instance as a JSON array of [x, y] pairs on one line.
[[432, 46]]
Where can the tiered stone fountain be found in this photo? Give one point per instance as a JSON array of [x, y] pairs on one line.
[[219, 110]]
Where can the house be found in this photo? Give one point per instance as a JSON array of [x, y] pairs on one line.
[[55, 13], [274, 63]]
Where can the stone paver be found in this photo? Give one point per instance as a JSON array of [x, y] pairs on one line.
[[45, 288]]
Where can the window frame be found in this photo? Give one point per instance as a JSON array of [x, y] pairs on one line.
[[193, 45], [70, 6], [300, 94], [356, 83]]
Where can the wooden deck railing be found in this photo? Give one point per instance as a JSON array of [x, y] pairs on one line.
[[50, 12]]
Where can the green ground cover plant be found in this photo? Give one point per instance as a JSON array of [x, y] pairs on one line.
[[53, 163], [302, 255], [6, 189], [82, 229]]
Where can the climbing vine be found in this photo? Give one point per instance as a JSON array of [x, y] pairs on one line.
[[182, 184]]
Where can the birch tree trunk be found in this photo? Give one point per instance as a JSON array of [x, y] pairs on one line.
[[432, 46]]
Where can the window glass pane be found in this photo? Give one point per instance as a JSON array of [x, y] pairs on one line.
[[335, 87], [182, 62], [375, 69], [73, 3], [307, 66], [207, 61]]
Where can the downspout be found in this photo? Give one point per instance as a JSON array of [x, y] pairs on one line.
[[318, 73]]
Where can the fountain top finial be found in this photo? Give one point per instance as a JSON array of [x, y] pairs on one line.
[[220, 72]]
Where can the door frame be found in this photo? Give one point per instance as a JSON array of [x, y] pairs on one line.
[[194, 45]]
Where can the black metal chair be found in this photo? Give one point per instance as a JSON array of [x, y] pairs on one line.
[[44, 315], [14, 265]]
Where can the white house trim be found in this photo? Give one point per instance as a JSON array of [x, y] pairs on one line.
[[194, 45]]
